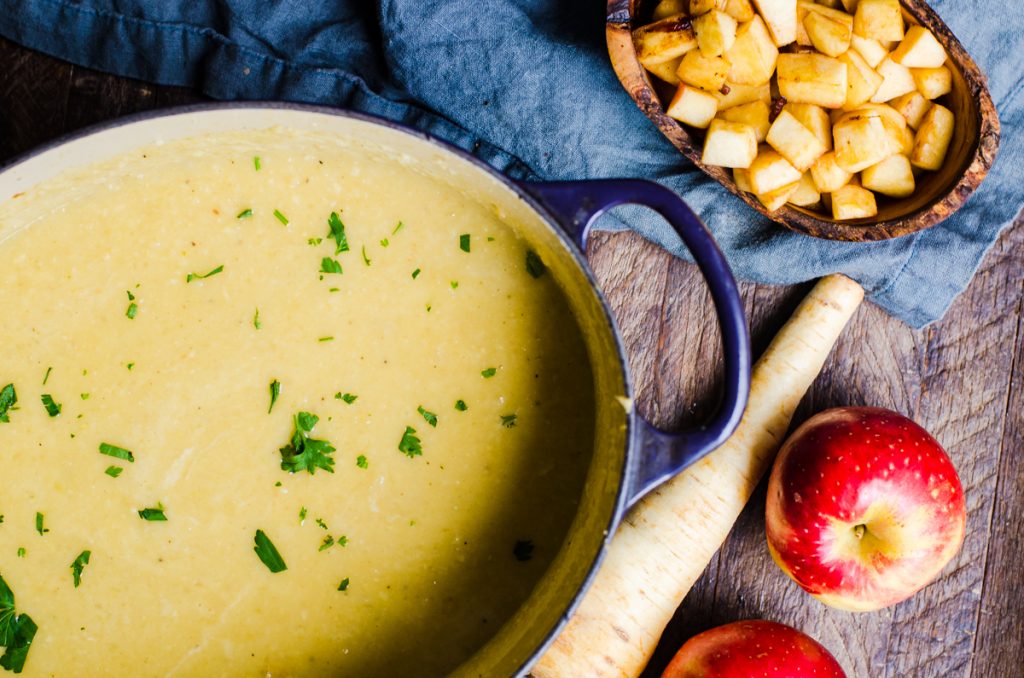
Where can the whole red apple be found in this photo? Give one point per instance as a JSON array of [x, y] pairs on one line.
[[753, 648], [864, 508]]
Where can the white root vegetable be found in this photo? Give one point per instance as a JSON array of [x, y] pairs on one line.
[[667, 540]]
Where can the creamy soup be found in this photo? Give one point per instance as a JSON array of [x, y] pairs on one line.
[[283, 407]]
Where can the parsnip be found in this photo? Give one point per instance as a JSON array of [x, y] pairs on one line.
[[667, 540]]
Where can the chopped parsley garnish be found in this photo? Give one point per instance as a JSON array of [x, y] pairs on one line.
[[46, 377], [16, 631], [304, 453], [326, 339], [409, 445], [302, 515], [430, 417], [523, 550], [385, 242], [78, 565], [132, 311], [244, 214], [342, 541], [155, 514], [321, 524], [327, 543], [52, 408], [415, 274], [130, 366], [508, 420], [268, 553], [347, 397], [337, 232], [489, 372], [464, 242], [40, 527], [118, 452], [328, 265], [114, 471], [398, 228], [83, 396], [256, 320], [343, 586], [275, 391], [361, 461], [454, 284], [534, 266], [257, 163], [21, 552], [281, 217], [314, 241], [366, 259], [197, 276], [461, 406], [8, 399]]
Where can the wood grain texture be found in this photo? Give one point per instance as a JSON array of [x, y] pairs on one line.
[[962, 379]]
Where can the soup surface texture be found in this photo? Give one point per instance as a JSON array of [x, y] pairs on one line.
[[216, 379]]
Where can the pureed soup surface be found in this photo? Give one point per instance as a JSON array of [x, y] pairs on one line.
[[151, 304]]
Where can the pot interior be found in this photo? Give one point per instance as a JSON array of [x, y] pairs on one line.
[[532, 626]]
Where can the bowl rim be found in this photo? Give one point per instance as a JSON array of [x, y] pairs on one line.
[[634, 79]]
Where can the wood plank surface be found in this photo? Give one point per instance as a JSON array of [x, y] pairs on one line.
[[962, 379]]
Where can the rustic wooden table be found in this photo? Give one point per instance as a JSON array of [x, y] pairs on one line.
[[962, 378]]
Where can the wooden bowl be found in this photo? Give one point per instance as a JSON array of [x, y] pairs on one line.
[[971, 151]]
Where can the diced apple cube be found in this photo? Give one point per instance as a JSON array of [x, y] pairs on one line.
[[734, 94], [664, 40], [742, 178], [693, 106], [666, 70], [892, 177], [871, 50], [698, 7], [933, 137], [828, 176], [775, 199], [919, 49], [860, 142], [853, 202], [703, 71], [814, 118], [794, 142], [828, 36], [812, 79], [741, 10], [716, 31], [770, 171], [897, 80], [667, 8], [729, 144], [932, 82], [752, 55], [880, 20], [806, 194], [780, 16], [912, 106], [899, 136], [754, 114], [862, 81]]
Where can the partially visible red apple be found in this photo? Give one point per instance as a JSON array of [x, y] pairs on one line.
[[746, 649], [864, 508]]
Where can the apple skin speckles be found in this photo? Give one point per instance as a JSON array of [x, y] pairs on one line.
[[881, 508]]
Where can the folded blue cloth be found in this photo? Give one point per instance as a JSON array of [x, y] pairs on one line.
[[526, 85]]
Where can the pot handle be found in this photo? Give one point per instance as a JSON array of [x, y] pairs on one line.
[[658, 455]]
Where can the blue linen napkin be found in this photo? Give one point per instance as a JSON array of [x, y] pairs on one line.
[[526, 85]]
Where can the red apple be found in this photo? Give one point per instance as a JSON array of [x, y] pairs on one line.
[[864, 508], [747, 649]]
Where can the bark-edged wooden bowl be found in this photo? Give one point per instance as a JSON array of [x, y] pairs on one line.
[[971, 151]]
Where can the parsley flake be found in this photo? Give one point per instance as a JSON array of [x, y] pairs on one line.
[[275, 391], [508, 420], [327, 543], [461, 406], [454, 284], [314, 241], [244, 214], [415, 274], [155, 514], [366, 259], [203, 276], [40, 528], [281, 217], [132, 311], [326, 339], [52, 408], [79, 565], [117, 452], [256, 320], [328, 265], [398, 228], [347, 397], [464, 242], [321, 524], [343, 586], [430, 417], [337, 232], [304, 453], [46, 378], [534, 266], [361, 461], [302, 515], [257, 163], [8, 399], [385, 242], [268, 553], [409, 445], [489, 372], [114, 471], [22, 552], [16, 631]]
